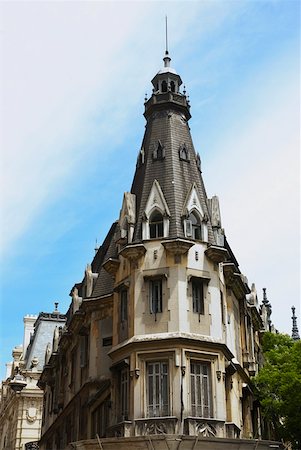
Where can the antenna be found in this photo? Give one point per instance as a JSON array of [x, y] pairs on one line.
[[166, 37]]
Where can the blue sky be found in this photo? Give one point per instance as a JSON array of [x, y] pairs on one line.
[[73, 84]]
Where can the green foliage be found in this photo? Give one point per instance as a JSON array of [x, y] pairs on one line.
[[278, 386]]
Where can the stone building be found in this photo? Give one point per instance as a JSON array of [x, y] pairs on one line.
[[21, 400], [163, 332]]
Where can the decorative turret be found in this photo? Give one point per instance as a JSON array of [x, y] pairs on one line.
[[171, 201], [266, 311], [295, 331]]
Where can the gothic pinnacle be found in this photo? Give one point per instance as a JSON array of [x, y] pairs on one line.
[[295, 331]]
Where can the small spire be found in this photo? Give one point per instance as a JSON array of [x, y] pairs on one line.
[[265, 299], [96, 248], [56, 304], [166, 37], [166, 58], [295, 331]]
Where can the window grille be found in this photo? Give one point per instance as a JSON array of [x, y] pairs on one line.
[[157, 389], [200, 390]]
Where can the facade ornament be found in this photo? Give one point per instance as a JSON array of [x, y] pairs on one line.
[[205, 429], [56, 337], [76, 300], [47, 353], [31, 414], [90, 277], [154, 427], [34, 363]]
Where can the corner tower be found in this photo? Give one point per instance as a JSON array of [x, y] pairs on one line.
[[162, 333]]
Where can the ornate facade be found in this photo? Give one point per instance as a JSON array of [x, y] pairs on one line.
[[21, 400], [163, 332]]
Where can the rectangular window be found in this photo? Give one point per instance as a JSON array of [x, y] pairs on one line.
[[200, 389], [100, 419], [124, 393], [197, 296], [155, 295], [157, 389], [84, 350], [123, 305]]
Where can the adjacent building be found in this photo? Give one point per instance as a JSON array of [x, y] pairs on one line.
[[21, 400], [163, 332]]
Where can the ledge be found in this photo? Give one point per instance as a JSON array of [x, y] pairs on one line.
[[111, 265], [216, 254], [133, 251], [177, 246]]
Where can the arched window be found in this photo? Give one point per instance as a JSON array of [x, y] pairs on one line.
[[172, 86], [164, 86], [156, 225], [193, 226]]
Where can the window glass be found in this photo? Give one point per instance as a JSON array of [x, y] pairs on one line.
[[197, 296], [155, 294], [156, 225], [196, 226], [123, 305], [124, 393]]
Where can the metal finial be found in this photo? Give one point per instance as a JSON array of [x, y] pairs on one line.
[[96, 246], [56, 304], [184, 91], [166, 37], [145, 97], [265, 299], [295, 331]]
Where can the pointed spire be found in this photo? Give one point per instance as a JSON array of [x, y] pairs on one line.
[[265, 299], [295, 331], [166, 58]]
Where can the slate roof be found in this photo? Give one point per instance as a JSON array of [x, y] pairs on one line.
[[168, 125]]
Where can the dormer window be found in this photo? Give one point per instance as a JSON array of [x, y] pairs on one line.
[[156, 225], [158, 152], [193, 226], [183, 153]]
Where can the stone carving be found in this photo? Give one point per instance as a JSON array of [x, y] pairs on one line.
[[47, 353], [56, 337], [215, 212], [90, 277], [34, 363], [31, 414], [154, 427], [252, 297], [76, 300], [205, 429]]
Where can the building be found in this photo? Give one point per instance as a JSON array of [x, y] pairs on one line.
[[163, 332], [21, 400]]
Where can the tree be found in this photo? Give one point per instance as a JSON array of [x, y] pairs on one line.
[[278, 387]]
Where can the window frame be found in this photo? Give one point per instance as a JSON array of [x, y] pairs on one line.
[[158, 388], [201, 387], [157, 226], [155, 301], [198, 301]]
